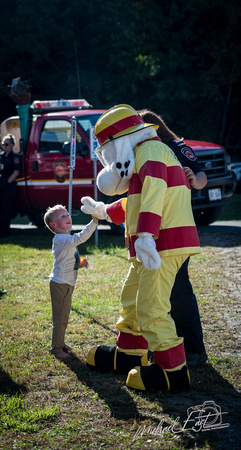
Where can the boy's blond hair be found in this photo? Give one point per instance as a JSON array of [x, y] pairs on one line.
[[49, 215]]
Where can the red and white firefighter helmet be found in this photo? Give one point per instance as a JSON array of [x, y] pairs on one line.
[[118, 121]]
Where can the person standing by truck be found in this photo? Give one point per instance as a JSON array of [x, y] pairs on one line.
[[9, 171], [184, 307]]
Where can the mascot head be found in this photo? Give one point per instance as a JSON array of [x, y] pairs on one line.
[[118, 131]]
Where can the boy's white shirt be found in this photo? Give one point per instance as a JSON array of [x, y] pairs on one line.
[[64, 249]]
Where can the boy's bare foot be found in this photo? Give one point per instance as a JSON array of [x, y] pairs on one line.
[[62, 355], [67, 348]]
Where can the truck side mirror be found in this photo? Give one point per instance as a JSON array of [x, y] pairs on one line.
[[66, 148]]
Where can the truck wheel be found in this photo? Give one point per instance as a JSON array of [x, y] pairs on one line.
[[207, 216], [36, 217]]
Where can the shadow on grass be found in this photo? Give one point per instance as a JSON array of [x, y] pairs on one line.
[[109, 387], [216, 236], [42, 239], [29, 238], [208, 387], [209, 412], [219, 239], [8, 386], [209, 391], [93, 320], [220, 230]]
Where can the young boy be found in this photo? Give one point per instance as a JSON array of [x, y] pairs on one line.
[[64, 272]]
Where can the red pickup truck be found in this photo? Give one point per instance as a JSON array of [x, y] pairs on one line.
[[43, 139]]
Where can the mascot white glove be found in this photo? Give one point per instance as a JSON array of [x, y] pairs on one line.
[[96, 209], [146, 251]]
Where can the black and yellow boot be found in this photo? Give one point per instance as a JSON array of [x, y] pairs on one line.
[[154, 378], [106, 359]]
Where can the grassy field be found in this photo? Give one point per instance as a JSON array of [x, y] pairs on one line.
[[46, 404]]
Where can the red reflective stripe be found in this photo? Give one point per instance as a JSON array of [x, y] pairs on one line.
[[169, 359], [176, 177], [127, 341], [155, 169], [179, 237], [173, 175], [135, 185], [171, 238], [149, 223], [117, 127], [116, 212]]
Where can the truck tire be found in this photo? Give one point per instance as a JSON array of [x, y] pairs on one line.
[[36, 217], [207, 216]]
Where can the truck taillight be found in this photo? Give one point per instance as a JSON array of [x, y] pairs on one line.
[[48, 104]]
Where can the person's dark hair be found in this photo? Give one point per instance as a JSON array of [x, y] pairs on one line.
[[10, 137], [163, 132]]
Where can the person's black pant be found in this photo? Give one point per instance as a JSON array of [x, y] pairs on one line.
[[185, 313], [7, 196]]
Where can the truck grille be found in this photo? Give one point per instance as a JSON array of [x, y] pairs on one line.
[[213, 162]]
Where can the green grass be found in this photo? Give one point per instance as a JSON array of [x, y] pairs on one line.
[[19, 416], [46, 404]]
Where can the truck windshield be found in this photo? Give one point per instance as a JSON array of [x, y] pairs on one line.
[[88, 121]]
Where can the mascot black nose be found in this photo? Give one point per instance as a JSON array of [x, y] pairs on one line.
[[119, 166]]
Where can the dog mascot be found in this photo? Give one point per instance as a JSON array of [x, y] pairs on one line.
[[160, 234]]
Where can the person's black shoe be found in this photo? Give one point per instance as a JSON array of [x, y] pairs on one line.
[[196, 359], [2, 292]]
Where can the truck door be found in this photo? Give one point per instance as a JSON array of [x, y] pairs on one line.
[[49, 165]]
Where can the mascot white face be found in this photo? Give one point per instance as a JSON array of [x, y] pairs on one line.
[[117, 157]]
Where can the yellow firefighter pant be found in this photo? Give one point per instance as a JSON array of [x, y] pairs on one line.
[[146, 304]]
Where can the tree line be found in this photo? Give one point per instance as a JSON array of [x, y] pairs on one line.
[[180, 59]]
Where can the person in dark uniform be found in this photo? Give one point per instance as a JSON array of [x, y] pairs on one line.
[[184, 307], [9, 171]]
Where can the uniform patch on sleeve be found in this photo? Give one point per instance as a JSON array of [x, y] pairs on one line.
[[187, 151]]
